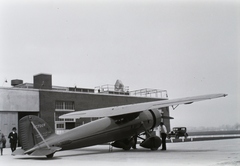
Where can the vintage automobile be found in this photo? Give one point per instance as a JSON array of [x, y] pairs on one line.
[[178, 132]]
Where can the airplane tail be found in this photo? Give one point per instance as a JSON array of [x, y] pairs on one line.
[[32, 130]]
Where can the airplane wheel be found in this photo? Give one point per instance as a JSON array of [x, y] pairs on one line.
[[50, 156], [154, 149], [127, 148]]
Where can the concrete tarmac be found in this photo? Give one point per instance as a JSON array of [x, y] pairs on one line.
[[211, 153]]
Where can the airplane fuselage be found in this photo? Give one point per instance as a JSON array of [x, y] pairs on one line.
[[104, 130]]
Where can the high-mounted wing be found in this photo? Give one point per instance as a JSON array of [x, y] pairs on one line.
[[139, 107]]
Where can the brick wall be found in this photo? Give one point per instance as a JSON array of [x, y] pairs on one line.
[[84, 101]]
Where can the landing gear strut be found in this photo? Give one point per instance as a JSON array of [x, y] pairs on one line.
[[152, 141]]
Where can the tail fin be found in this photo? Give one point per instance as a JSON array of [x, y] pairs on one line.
[[28, 135]]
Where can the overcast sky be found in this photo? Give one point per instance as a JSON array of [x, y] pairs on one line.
[[187, 48]]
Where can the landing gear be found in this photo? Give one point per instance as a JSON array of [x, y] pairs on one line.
[[50, 156], [125, 144], [152, 141]]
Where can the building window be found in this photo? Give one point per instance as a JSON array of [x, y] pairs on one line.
[[64, 106], [63, 125], [60, 126], [57, 119], [69, 105]]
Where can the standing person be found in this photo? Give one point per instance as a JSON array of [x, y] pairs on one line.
[[13, 139], [2, 142], [163, 135]]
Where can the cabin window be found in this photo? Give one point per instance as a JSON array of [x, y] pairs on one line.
[[121, 119]]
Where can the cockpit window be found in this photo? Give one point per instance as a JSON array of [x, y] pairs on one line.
[[125, 118]]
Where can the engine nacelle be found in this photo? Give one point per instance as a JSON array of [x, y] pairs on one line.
[[153, 143]]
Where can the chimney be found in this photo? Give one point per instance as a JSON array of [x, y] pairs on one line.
[[42, 81]]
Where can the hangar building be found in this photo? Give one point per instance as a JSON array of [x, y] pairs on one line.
[[43, 99]]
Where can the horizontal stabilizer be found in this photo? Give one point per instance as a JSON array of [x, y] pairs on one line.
[[45, 151], [18, 152], [167, 117]]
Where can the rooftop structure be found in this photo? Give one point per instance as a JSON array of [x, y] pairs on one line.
[[44, 81]]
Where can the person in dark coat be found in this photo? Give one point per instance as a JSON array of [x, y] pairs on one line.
[[163, 135], [13, 139], [2, 142]]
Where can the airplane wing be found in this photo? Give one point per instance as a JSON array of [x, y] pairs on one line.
[[139, 107]]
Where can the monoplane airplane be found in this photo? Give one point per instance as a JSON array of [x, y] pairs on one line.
[[117, 124]]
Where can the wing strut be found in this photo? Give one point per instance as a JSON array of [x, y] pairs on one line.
[[40, 135], [146, 131], [174, 107]]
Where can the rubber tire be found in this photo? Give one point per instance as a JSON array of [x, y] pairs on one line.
[[50, 156]]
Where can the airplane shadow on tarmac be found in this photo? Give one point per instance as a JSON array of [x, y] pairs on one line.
[[57, 156], [91, 151], [87, 152], [81, 152]]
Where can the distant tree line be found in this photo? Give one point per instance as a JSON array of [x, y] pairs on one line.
[[219, 128]]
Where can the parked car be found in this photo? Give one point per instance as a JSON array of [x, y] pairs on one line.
[[178, 132]]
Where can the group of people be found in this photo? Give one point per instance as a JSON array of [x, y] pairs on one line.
[[13, 138]]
